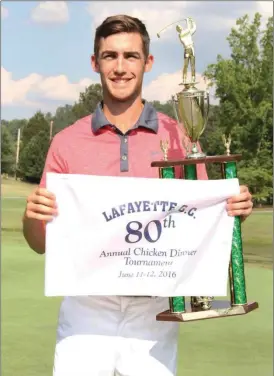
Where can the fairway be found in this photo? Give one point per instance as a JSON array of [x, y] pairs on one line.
[[223, 347]]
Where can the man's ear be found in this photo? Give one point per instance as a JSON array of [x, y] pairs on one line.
[[149, 63], [94, 64]]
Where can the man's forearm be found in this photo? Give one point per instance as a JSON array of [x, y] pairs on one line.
[[34, 233]]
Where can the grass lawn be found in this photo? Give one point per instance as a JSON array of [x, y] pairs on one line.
[[15, 188], [225, 347]]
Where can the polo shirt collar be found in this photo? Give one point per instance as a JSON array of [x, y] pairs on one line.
[[147, 119]]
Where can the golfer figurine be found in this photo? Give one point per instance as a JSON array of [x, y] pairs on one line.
[[185, 36]]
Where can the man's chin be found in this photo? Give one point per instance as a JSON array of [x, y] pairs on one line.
[[123, 97]]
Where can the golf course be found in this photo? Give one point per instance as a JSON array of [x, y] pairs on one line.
[[234, 346]]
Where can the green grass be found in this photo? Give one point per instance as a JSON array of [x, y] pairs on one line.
[[225, 347], [28, 318], [257, 238], [235, 345], [15, 188]]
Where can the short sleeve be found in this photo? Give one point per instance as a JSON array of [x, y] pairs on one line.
[[55, 161]]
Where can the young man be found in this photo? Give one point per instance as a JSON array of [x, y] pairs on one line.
[[107, 336]]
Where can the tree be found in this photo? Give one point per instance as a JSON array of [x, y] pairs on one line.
[[64, 117], [244, 87], [260, 180], [48, 117], [88, 101], [14, 125], [33, 157], [7, 151], [36, 124]]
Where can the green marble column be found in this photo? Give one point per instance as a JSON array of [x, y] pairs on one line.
[[190, 172], [167, 172], [177, 303], [237, 260]]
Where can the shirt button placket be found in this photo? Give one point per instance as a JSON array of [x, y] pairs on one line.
[[124, 153]]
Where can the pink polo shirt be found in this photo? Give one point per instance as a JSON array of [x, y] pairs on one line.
[[93, 146]]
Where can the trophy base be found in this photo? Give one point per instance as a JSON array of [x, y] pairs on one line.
[[220, 308], [196, 155], [188, 83]]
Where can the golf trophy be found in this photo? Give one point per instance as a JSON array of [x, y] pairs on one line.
[[191, 108]]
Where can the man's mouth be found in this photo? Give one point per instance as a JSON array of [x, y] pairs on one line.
[[120, 81]]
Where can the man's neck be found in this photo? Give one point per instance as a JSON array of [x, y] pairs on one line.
[[123, 115]]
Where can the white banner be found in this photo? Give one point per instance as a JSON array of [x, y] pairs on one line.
[[138, 236]]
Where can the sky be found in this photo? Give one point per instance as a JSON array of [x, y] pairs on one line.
[[46, 47]]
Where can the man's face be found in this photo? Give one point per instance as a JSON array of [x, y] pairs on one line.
[[121, 64]]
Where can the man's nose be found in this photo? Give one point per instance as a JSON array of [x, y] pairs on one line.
[[120, 65]]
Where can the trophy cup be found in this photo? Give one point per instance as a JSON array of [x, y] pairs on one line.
[[191, 108]]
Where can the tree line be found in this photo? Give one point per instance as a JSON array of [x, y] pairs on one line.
[[244, 87]]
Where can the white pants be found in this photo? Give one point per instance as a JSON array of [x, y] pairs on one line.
[[115, 336]]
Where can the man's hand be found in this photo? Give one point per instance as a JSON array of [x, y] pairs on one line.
[[41, 205], [241, 204]]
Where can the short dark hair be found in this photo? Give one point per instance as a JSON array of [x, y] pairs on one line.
[[121, 24]]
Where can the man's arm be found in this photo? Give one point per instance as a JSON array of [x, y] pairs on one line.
[[41, 207], [41, 204], [191, 25], [34, 233]]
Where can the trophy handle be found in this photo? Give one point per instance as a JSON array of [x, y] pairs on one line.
[[187, 148], [174, 108], [176, 114], [207, 112]]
